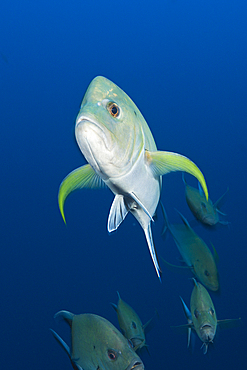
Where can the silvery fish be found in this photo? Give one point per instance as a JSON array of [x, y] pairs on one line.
[[130, 324], [96, 344], [202, 316], [204, 210], [121, 153], [194, 251]]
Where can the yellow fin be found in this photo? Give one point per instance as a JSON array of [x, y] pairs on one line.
[[165, 162], [82, 177]]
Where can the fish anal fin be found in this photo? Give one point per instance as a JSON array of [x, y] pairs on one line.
[[162, 162], [149, 238], [137, 200], [117, 214]]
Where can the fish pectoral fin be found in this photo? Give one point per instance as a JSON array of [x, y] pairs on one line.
[[149, 238], [229, 323], [217, 203], [182, 269], [82, 177], [220, 213], [117, 214], [162, 162]]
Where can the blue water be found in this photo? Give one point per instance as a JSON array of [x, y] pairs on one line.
[[184, 65]]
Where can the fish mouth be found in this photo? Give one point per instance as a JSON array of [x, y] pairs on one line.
[[92, 140], [207, 332], [209, 220], [86, 123], [137, 365]]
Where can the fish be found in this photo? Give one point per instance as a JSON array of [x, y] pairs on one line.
[[204, 210], [194, 251], [130, 324], [96, 344], [202, 316], [119, 147]]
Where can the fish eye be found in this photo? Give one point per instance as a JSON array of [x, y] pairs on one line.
[[211, 311], [113, 109], [112, 354], [133, 324], [206, 273], [196, 313]]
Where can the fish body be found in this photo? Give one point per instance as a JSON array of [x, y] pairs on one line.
[[194, 252], [121, 153], [204, 210], [96, 344], [203, 315], [130, 324]]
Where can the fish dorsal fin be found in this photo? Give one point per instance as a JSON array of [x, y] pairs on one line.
[[64, 316], [201, 192], [216, 256], [149, 238], [189, 319], [186, 311], [162, 162], [114, 306], [184, 219], [82, 177], [183, 178], [117, 214]]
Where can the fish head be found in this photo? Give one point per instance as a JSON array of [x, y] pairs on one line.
[[206, 330], [138, 342], [130, 324], [202, 209], [203, 313], [97, 344], [109, 129], [208, 213]]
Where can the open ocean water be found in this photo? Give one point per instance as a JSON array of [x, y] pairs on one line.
[[184, 64]]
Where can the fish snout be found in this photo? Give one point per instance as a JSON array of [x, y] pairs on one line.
[[207, 333], [88, 127], [136, 364]]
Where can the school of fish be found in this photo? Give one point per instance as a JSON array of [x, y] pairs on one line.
[[121, 154]]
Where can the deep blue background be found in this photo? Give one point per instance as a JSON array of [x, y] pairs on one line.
[[184, 65]]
